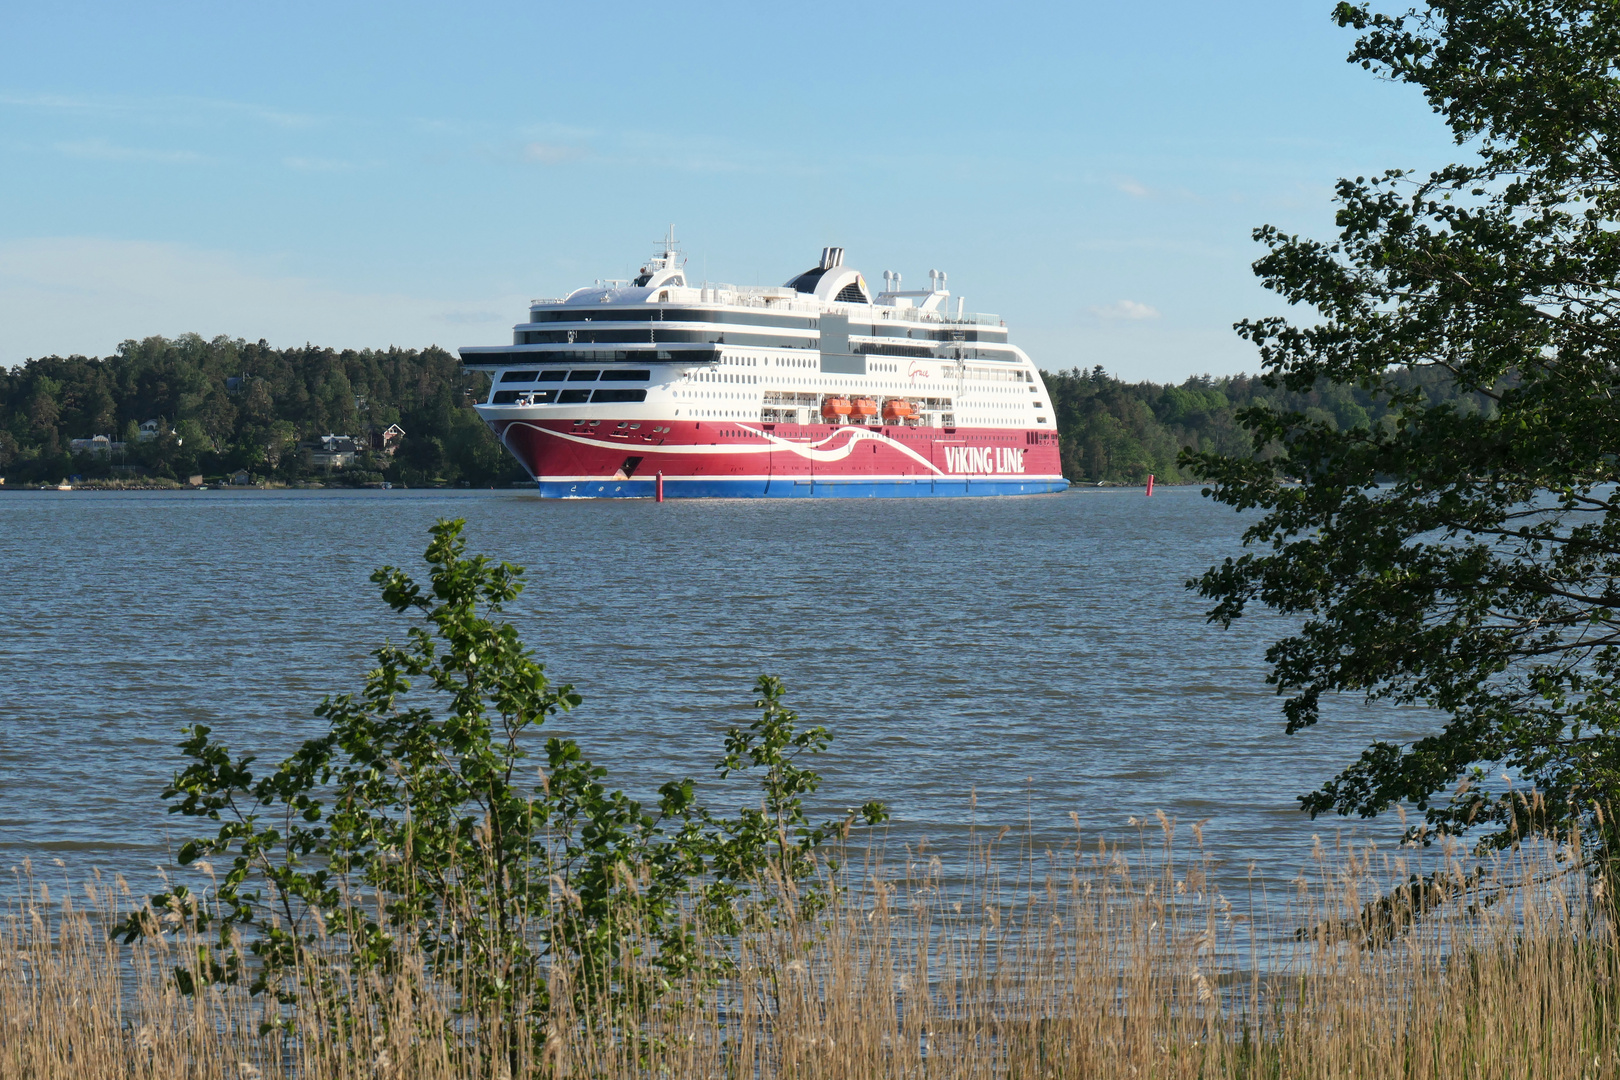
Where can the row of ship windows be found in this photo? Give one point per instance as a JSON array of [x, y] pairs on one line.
[[645, 374], [924, 352], [722, 377], [786, 322], [869, 349], [517, 355], [579, 375], [659, 335], [629, 314], [566, 397]]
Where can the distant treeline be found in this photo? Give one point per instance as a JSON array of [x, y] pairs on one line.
[[226, 405], [1118, 432]]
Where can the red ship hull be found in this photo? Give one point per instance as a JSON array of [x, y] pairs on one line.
[[706, 458]]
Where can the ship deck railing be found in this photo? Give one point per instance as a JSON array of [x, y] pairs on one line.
[[728, 296]]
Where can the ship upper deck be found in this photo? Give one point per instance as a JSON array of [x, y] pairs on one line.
[[659, 316], [930, 307]]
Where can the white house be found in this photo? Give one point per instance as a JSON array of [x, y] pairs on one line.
[[95, 444], [332, 451]]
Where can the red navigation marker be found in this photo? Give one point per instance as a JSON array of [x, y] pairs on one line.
[[1150, 483], [658, 488]]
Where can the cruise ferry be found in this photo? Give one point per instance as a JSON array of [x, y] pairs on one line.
[[816, 388]]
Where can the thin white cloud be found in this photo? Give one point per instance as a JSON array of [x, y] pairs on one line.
[[550, 132], [274, 117], [1133, 187], [1126, 309], [102, 150], [661, 150], [555, 145], [162, 109], [475, 318], [550, 153], [65, 295], [318, 165]]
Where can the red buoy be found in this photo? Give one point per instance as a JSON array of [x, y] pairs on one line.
[[1150, 483], [658, 488]]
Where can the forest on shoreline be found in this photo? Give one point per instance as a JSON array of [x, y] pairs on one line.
[[227, 404], [1116, 432]]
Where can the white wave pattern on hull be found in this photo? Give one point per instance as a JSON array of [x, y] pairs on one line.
[[850, 437]]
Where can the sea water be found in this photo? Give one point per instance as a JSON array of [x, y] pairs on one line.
[[979, 662]]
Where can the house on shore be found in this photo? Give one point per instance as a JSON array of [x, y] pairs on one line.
[[387, 440], [331, 451], [151, 429], [100, 445]]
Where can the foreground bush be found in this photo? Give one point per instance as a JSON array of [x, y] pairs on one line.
[[413, 837]]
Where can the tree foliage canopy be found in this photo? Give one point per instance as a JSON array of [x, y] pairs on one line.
[[1465, 560]]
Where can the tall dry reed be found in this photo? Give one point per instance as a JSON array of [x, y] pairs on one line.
[[1076, 960]]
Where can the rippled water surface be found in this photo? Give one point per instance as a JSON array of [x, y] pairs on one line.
[[1041, 651]]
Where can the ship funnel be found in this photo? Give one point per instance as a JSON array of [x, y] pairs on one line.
[[831, 257]]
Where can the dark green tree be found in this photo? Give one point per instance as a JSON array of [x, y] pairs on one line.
[[1462, 552]]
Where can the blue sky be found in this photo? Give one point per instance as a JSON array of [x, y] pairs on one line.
[[409, 174]]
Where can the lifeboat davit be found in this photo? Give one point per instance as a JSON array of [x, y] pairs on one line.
[[835, 408], [898, 409], [863, 408]]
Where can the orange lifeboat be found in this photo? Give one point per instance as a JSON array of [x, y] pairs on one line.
[[863, 409], [835, 408], [897, 409]]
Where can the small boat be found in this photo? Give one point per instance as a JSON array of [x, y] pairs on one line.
[[897, 409], [835, 408], [863, 409], [64, 486]]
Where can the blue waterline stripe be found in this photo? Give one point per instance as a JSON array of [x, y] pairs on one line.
[[795, 488]]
